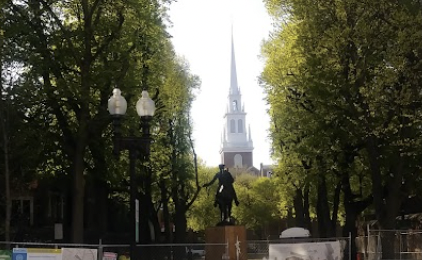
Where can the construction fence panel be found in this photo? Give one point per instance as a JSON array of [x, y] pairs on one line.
[[300, 248], [256, 249], [62, 251], [402, 244]]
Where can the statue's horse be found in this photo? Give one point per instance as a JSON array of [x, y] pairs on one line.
[[225, 201]]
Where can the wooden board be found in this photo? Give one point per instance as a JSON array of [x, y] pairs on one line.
[[233, 236]]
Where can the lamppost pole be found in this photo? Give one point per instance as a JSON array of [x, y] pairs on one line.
[[136, 146], [132, 198]]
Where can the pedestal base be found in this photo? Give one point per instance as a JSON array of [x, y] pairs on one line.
[[233, 243], [229, 222]]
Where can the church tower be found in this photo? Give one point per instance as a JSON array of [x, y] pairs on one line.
[[236, 142]]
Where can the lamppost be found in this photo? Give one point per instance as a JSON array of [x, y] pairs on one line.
[[136, 145]]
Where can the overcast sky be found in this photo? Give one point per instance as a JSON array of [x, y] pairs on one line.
[[201, 33]]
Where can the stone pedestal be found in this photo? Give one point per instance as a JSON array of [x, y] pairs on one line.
[[233, 236]]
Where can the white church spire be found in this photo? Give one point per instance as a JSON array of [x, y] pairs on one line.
[[234, 88], [237, 146]]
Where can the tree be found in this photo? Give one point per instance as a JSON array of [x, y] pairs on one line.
[[203, 214], [17, 128], [4, 129], [351, 79], [79, 50], [3, 122], [259, 203]]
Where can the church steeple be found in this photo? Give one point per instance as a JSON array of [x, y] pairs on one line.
[[236, 146], [234, 88]]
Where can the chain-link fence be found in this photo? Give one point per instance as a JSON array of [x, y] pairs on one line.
[[50, 251], [297, 249], [258, 249], [393, 244], [61, 251], [300, 249]]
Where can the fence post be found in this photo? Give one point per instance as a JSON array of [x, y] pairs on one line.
[[401, 247], [100, 249], [350, 246], [367, 242]]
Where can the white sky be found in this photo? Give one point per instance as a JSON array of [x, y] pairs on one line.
[[201, 33]]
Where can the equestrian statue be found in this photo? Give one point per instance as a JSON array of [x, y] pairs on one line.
[[225, 195]]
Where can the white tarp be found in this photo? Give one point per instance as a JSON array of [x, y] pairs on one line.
[[295, 232], [307, 251], [79, 254]]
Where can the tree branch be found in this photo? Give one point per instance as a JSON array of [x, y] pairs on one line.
[[63, 29], [111, 37], [195, 162]]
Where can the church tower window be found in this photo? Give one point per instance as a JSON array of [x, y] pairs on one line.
[[238, 161], [232, 126], [234, 105], [240, 126]]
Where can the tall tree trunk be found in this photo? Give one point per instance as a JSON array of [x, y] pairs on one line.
[[307, 215], [83, 129], [290, 221], [149, 230], [179, 194], [351, 212], [323, 209], [350, 226], [336, 205], [386, 207], [377, 190], [3, 123], [180, 223], [352, 209], [299, 209], [98, 182], [78, 188], [78, 192], [4, 129], [154, 225], [166, 213], [392, 203], [101, 199]]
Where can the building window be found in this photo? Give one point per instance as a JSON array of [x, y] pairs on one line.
[[240, 126], [232, 126], [238, 161], [55, 207], [22, 211], [234, 105]]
